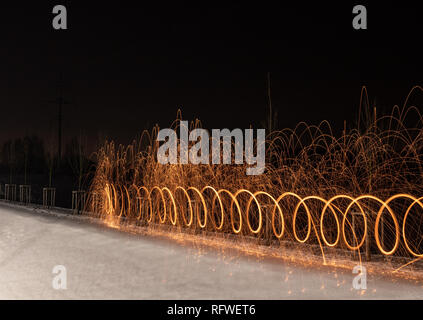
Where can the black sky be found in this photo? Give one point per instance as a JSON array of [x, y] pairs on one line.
[[127, 65]]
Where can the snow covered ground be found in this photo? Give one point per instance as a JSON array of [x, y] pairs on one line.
[[103, 263]]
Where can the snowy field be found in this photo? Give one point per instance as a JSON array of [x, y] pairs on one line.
[[104, 263]]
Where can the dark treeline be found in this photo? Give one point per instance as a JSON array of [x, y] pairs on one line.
[[30, 160]]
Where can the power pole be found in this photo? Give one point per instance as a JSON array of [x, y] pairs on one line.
[[60, 101], [59, 127], [269, 97]]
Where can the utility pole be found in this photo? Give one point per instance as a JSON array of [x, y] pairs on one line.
[[59, 127], [60, 101], [269, 97]]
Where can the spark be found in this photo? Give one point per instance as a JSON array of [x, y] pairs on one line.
[[322, 196]]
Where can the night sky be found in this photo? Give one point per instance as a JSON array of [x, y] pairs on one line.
[[126, 66]]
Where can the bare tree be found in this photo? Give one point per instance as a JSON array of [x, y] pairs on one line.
[[9, 157], [77, 157]]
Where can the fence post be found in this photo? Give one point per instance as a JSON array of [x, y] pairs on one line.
[[141, 209], [195, 213], [265, 214], [25, 194], [49, 197], [367, 240], [10, 192], [78, 201]]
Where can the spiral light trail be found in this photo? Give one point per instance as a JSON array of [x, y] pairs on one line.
[[142, 204], [360, 192]]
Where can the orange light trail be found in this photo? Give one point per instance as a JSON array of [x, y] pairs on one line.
[[202, 215], [358, 193]]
